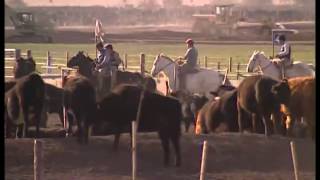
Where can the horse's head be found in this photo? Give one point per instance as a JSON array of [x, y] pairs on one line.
[[84, 62], [159, 64], [257, 59], [76, 60]]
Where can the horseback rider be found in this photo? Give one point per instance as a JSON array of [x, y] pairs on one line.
[[103, 67], [284, 56], [102, 63], [114, 62], [191, 57], [115, 59]]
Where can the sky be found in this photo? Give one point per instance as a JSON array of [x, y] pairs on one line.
[[99, 2]]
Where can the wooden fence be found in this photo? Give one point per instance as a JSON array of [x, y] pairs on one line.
[[49, 66]]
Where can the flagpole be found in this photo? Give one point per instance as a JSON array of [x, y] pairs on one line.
[[95, 38]]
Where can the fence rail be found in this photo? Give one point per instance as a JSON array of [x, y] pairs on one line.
[[50, 64]]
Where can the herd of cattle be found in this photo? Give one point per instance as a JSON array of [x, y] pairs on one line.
[[258, 105]]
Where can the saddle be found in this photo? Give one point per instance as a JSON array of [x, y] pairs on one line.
[[283, 67]]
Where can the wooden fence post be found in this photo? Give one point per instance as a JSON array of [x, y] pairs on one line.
[[205, 61], [238, 69], [218, 65], [38, 160], [203, 161], [230, 64], [142, 63], [295, 160], [67, 57], [125, 61], [65, 117], [29, 55], [48, 62], [134, 150], [18, 54]]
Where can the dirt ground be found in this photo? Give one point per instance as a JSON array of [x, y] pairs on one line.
[[231, 156]]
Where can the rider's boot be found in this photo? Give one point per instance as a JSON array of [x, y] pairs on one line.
[[282, 71]]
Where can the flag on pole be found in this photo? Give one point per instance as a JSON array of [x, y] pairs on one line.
[[98, 30]]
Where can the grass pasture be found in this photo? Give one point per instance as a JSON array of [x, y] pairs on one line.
[[214, 52]]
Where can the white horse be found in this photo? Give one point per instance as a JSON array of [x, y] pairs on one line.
[[201, 82], [258, 61]]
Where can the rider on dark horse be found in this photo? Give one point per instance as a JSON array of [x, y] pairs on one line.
[[107, 62], [191, 57]]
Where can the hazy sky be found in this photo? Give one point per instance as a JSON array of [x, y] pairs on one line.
[[99, 2]]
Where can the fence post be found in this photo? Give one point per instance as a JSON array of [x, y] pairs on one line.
[[142, 63], [65, 116], [294, 159], [134, 150], [205, 61], [38, 160], [125, 61], [48, 62], [230, 64], [29, 55], [203, 161], [18, 54], [218, 65], [238, 69], [67, 57]]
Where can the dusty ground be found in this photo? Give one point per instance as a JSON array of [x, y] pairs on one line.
[[230, 156]]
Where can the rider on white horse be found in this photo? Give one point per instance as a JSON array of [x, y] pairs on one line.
[[284, 56], [191, 57]]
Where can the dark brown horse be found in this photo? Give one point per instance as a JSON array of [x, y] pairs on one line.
[[23, 67], [86, 67]]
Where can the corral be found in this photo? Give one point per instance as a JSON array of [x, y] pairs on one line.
[[230, 155]]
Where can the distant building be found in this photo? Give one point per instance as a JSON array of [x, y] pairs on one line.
[[283, 2]]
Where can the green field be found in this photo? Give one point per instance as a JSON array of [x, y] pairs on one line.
[[239, 53]]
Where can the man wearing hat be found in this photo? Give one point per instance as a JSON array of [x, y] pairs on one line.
[[191, 57], [115, 59], [102, 66], [113, 63], [284, 55]]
